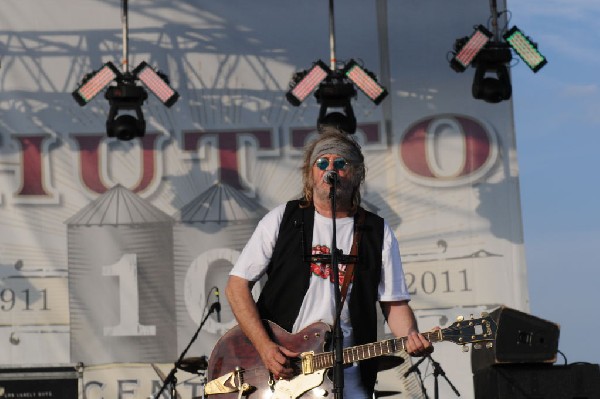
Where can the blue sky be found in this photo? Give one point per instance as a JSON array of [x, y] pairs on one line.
[[557, 122]]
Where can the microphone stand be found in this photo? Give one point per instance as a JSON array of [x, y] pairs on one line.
[[437, 371], [415, 369], [171, 379], [338, 336]]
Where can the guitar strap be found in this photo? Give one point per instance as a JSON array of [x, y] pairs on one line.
[[360, 219]]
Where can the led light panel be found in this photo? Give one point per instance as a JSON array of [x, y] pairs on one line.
[[472, 47], [96, 83], [365, 82], [525, 49], [156, 84], [309, 83]]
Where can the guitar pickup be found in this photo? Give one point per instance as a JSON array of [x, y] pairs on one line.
[[307, 362]]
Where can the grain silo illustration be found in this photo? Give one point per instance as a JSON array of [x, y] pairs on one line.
[[210, 232], [121, 290]]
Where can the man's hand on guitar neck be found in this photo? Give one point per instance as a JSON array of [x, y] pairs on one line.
[[276, 358], [417, 344], [402, 322]]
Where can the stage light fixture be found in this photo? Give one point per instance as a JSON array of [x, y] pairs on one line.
[[366, 81], [467, 48], [126, 95], [157, 82], [490, 55], [94, 82], [525, 49], [336, 92], [305, 82], [492, 81], [335, 89]]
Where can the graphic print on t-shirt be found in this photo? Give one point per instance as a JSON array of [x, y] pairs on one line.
[[324, 270]]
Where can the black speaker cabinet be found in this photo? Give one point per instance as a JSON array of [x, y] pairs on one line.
[[520, 338], [40, 382], [538, 381]]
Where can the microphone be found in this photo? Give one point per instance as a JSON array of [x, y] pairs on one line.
[[330, 177], [414, 367], [217, 304]]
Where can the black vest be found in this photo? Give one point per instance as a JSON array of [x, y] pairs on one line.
[[289, 277]]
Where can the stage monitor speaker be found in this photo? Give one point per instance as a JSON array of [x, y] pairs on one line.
[[520, 338], [40, 382], [538, 381]]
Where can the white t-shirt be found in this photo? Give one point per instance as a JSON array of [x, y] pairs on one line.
[[319, 301]]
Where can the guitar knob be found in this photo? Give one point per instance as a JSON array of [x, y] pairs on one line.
[[465, 348], [477, 346], [489, 345]]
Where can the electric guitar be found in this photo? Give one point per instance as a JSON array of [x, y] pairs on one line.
[[235, 368]]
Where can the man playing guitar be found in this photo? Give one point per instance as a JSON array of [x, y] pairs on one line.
[[299, 291]]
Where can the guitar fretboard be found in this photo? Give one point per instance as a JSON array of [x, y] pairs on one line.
[[361, 352]]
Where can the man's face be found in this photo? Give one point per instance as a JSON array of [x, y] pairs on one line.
[[324, 164]]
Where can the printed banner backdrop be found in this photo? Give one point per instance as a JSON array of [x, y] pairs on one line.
[[110, 250]]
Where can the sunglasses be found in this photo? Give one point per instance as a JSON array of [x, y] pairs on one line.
[[338, 163]]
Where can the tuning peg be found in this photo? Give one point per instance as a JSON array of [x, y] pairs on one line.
[[484, 314], [460, 318], [465, 348], [489, 345], [471, 315]]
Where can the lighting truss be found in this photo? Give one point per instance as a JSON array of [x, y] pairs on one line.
[[525, 49], [467, 48]]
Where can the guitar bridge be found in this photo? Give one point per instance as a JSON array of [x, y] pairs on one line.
[[307, 362], [228, 383]]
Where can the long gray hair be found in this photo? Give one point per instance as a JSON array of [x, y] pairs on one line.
[[333, 141]]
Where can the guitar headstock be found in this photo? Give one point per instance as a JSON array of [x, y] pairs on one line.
[[470, 331]]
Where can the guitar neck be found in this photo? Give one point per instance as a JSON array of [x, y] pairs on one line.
[[362, 352]]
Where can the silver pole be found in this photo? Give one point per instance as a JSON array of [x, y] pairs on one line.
[[384, 62], [332, 60], [124, 21], [494, 11]]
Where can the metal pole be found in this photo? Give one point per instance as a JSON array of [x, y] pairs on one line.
[[332, 60], [494, 11], [124, 21], [384, 62], [338, 335]]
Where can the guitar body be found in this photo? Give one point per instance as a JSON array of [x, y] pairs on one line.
[[235, 350], [235, 366]]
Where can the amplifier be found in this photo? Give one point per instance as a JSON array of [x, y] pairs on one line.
[[520, 338], [539, 381], [39, 382]]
